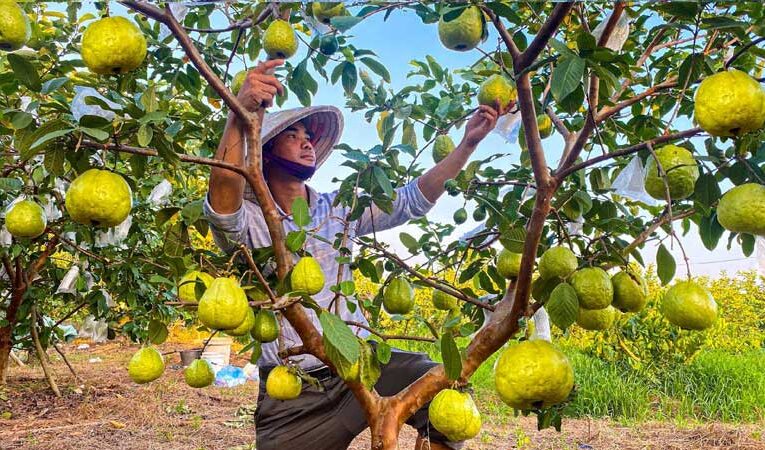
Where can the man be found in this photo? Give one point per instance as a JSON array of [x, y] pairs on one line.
[[295, 143]]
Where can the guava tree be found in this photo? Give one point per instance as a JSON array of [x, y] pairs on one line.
[[612, 82]]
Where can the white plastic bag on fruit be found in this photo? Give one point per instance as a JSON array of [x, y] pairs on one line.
[[317, 28], [179, 11], [114, 235], [5, 237], [541, 326], [160, 194], [67, 285], [508, 126], [619, 34], [761, 254], [51, 209], [81, 108], [630, 183], [96, 330]]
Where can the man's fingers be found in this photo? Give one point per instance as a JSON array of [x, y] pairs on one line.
[[269, 64]]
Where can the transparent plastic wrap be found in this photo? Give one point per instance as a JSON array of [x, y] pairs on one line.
[[95, 330], [5, 237], [80, 107], [114, 235], [629, 183], [160, 195], [51, 209], [508, 126], [541, 326]]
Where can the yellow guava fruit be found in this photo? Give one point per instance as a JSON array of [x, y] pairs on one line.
[[742, 209], [243, 327], [146, 365], [238, 81], [689, 305], [730, 103], [443, 301], [398, 297], [533, 374], [455, 415], [596, 319], [307, 276], [557, 262], [187, 287], [545, 125], [199, 374], [464, 32], [15, 29], [630, 291], [681, 169], [509, 263], [497, 90], [99, 197], [113, 45], [26, 219], [283, 384], [266, 327], [442, 147], [224, 305], [279, 40], [325, 11], [593, 287]]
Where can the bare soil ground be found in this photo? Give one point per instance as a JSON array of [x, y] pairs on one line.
[[107, 411]]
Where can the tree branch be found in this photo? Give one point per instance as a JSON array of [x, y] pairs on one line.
[[548, 29], [627, 151], [389, 336], [515, 53]]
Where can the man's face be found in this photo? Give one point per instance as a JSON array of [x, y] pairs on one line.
[[294, 144]]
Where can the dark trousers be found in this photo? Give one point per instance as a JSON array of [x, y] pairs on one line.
[[331, 419]]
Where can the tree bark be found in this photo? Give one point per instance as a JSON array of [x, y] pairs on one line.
[[5, 354], [385, 428], [42, 356]]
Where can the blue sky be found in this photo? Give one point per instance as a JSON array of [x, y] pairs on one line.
[[403, 38]]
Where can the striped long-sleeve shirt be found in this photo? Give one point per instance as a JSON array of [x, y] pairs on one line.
[[248, 226]]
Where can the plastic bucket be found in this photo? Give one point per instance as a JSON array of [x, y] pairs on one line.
[[218, 351]]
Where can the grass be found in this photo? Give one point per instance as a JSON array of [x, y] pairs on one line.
[[716, 385]]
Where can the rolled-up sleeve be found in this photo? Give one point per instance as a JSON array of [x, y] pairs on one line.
[[410, 203], [228, 229]]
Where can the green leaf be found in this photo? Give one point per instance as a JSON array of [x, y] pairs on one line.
[[164, 214], [707, 190], [49, 136], [410, 242], [53, 84], [347, 287], [145, 134], [368, 269], [24, 143], [25, 72], [409, 136], [345, 23], [383, 351], [339, 335], [295, 240], [257, 350], [95, 133], [10, 184], [377, 68], [383, 181], [176, 240], [192, 211], [451, 356], [513, 239], [567, 76], [562, 306], [349, 78], [157, 332], [300, 213], [665, 265], [710, 231], [747, 244], [369, 367]]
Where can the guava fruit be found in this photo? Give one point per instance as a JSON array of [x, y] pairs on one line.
[[730, 103], [113, 45], [680, 168], [464, 32], [455, 415], [26, 219], [99, 197], [742, 209], [279, 40], [533, 374]]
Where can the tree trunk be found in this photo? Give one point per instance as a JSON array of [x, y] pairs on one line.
[[385, 430], [42, 356], [5, 353]]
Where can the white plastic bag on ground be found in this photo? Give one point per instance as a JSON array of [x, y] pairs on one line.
[[81, 108], [67, 285], [630, 183], [160, 194]]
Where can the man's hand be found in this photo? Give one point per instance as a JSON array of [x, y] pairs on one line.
[[260, 86], [482, 122]]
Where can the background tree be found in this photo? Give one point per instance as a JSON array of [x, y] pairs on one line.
[[607, 101]]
